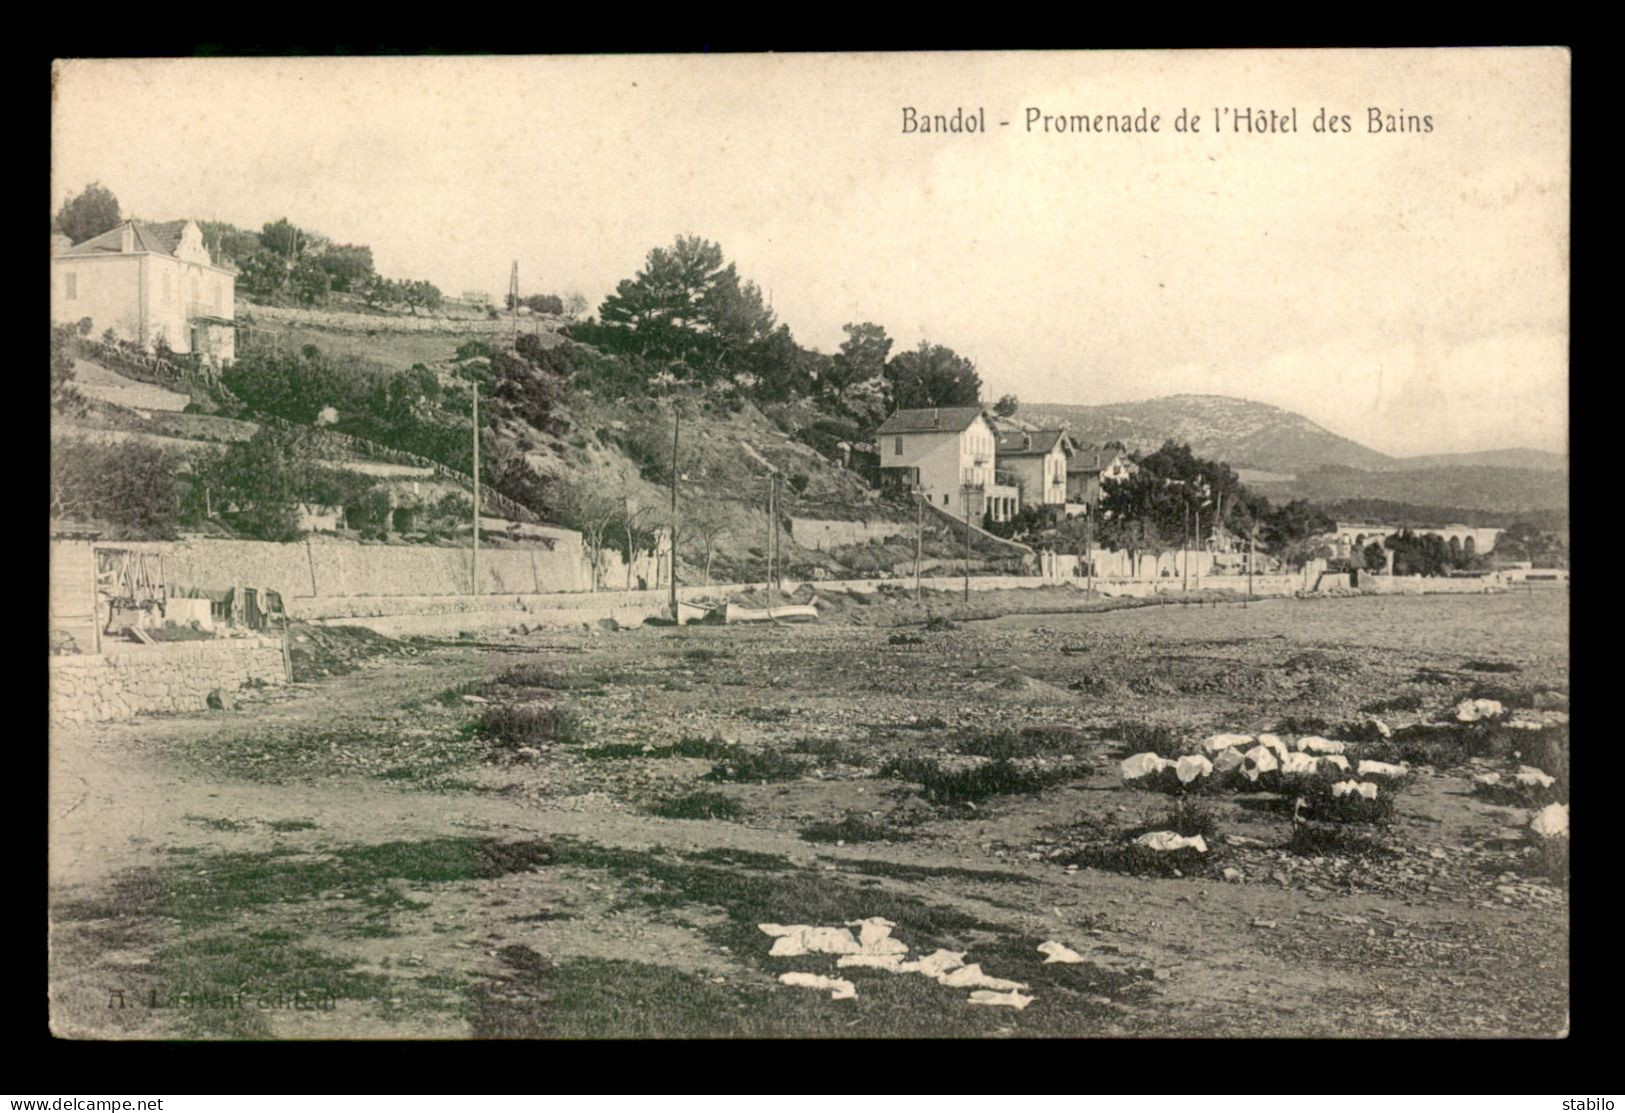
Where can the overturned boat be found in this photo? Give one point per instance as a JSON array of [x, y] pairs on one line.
[[789, 612]]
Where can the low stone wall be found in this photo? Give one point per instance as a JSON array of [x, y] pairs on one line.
[[367, 322], [178, 676], [827, 533], [1432, 585]]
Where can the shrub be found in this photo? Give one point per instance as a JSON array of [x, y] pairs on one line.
[[853, 827], [1142, 738], [755, 767], [1548, 858], [1026, 742], [130, 486], [829, 751], [698, 805], [1315, 840], [1190, 817], [941, 785], [1409, 701], [509, 728], [1141, 861]]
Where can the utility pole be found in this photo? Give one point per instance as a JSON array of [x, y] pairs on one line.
[[513, 298], [772, 528], [1186, 583], [476, 572], [1249, 565], [919, 540], [967, 542], [676, 425]]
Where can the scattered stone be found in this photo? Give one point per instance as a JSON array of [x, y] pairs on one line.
[[221, 700]]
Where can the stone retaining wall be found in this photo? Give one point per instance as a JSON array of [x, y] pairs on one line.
[[178, 676]]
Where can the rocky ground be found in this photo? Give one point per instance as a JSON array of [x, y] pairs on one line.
[[578, 833]]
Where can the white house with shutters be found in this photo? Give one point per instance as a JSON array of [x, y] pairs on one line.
[[947, 455], [148, 282]]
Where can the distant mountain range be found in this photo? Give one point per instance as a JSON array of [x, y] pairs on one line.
[[1299, 458]]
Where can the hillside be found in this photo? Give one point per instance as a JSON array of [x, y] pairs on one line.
[[1529, 458], [1244, 434], [1501, 490]]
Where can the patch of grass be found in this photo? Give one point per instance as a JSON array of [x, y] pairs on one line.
[[1505, 694], [355, 749], [290, 824], [453, 696], [699, 805], [906, 872], [1491, 666], [765, 714], [1548, 858], [938, 624], [905, 639], [700, 655], [1444, 745], [941, 785], [928, 722], [1189, 818], [1140, 738], [755, 767], [1334, 840], [508, 728], [1409, 701], [538, 676], [830, 751], [853, 827], [226, 987], [1430, 675], [1140, 861], [215, 824], [1030, 741], [1302, 724]]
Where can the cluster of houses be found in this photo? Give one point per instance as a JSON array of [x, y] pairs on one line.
[[959, 460], [152, 284]]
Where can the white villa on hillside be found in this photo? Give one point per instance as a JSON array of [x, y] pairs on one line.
[[148, 282], [1037, 460], [1089, 467], [946, 454]]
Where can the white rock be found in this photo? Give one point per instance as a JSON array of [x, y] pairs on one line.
[[1315, 744], [1191, 766], [1143, 765], [1011, 1000], [1219, 742], [1473, 710], [1058, 952], [1357, 788], [1171, 840], [1380, 769], [1552, 821], [840, 989]]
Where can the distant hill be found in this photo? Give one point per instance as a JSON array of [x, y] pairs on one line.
[[1285, 455], [1243, 434], [1501, 490], [1531, 458]]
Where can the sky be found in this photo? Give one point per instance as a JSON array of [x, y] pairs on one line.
[[1407, 289]]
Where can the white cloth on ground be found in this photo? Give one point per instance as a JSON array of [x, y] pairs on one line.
[[1171, 840], [1012, 999], [1058, 952], [840, 989]]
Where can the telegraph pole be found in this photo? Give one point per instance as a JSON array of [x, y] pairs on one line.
[[967, 542], [476, 575], [513, 298], [919, 540], [676, 425]]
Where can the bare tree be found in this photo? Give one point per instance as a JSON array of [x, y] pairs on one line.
[[591, 511]]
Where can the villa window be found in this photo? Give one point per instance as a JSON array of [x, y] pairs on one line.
[[897, 446], [72, 286]]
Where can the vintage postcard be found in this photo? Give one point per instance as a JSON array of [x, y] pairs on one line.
[[805, 545]]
